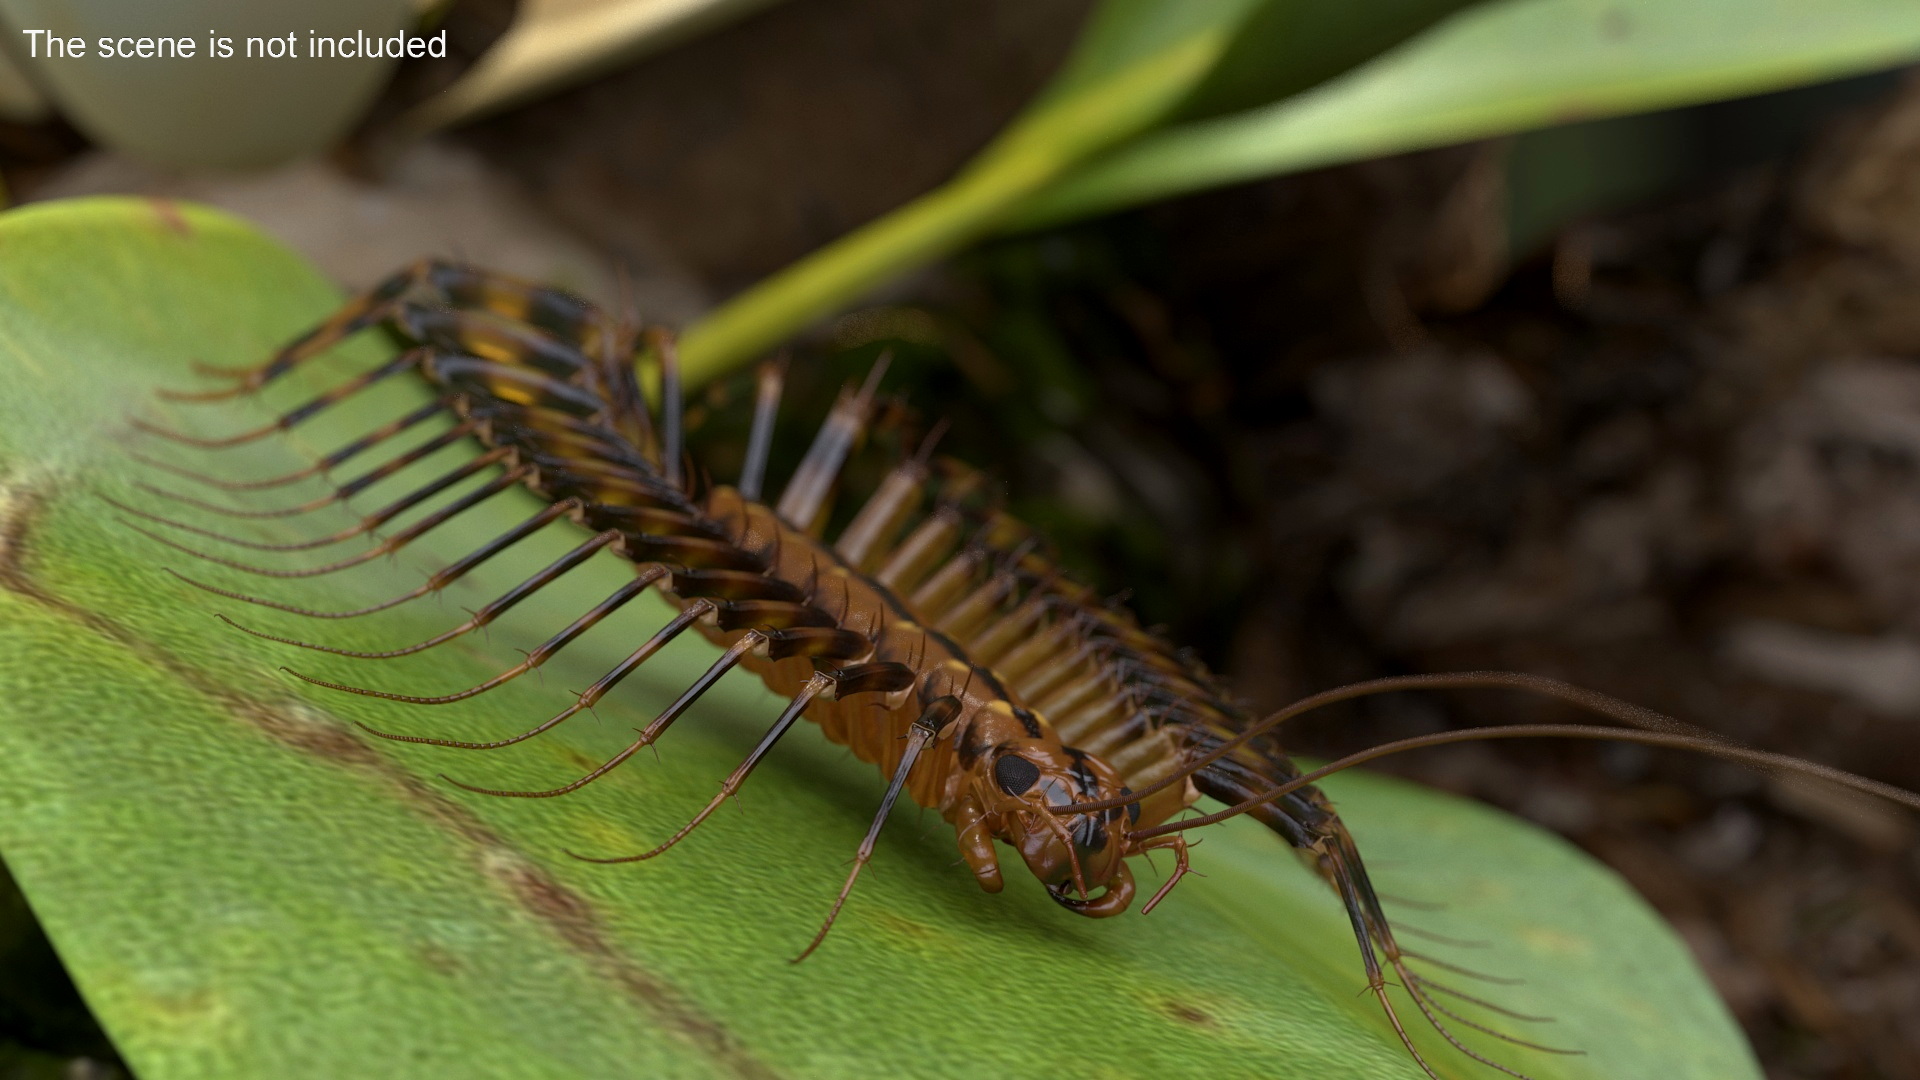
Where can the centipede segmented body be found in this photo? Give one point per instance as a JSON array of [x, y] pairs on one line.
[[932, 636]]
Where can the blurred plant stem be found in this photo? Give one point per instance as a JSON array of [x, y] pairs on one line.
[[1036, 152]]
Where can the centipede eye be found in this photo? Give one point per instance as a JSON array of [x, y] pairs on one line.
[[1015, 774]]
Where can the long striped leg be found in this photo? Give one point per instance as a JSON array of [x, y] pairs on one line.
[[649, 734], [806, 494], [365, 525], [614, 602], [918, 736], [1347, 865], [385, 547], [438, 581], [788, 717], [319, 468], [588, 697], [380, 304], [297, 415], [341, 492], [487, 614]]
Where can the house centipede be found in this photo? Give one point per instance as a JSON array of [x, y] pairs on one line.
[[933, 636]]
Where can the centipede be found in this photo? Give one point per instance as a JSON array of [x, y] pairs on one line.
[[933, 634]]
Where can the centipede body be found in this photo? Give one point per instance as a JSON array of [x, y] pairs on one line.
[[932, 635]]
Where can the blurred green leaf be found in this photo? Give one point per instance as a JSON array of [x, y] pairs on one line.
[[1504, 67], [244, 885], [1284, 48], [1137, 63]]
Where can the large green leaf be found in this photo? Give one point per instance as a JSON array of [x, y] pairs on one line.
[[244, 885], [1502, 68]]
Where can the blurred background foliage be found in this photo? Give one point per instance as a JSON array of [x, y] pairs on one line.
[[1573, 337]]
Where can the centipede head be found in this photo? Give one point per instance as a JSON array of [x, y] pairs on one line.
[[1081, 858]]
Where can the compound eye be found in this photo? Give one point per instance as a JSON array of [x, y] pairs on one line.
[[1015, 774]]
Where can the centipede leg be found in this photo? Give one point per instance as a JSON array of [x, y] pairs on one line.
[[587, 698], [486, 614], [806, 493], [319, 468], [365, 525], [614, 602], [647, 736], [438, 581], [919, 735], [1353, 883], [732, 784], [1181, 868], [766, 409], [340, 493], [1376, 980], [375, 306], [672, 410]]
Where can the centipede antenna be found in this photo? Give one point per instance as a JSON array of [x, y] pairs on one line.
[[652, 732], [586, 699], [731, 785], [766, 409], [485, 615], [918, 736], [1714, 747], [619, 598], [806, 493], [1612, 708]]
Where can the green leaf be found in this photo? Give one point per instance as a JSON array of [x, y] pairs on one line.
[[1137, 63], [1498, 69], [1289, 46], [245, 885]]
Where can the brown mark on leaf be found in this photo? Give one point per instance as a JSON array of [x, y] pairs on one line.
[[300, 726], [436, 959], [169, 214], [1186, 1013]]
